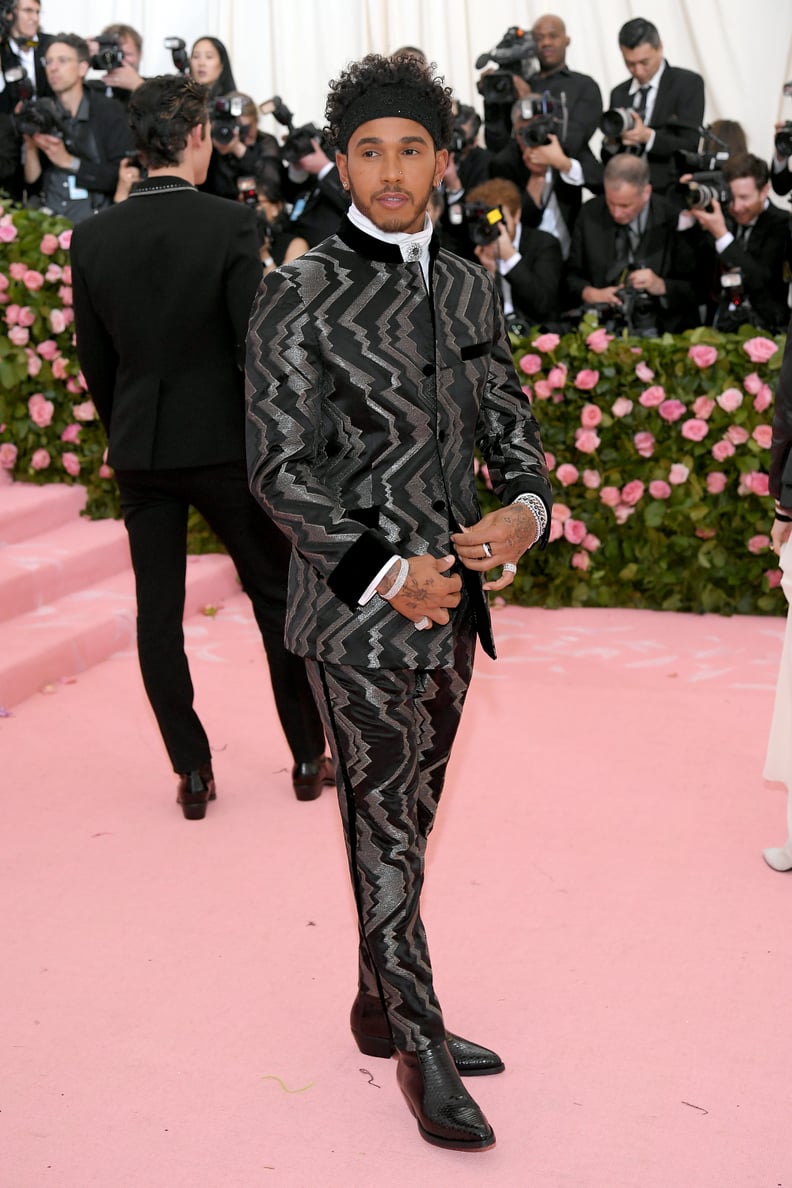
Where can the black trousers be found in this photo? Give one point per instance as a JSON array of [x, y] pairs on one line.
[[391, 732], [155, 505]]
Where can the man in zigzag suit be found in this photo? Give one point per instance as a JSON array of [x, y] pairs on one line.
[[376, 364]]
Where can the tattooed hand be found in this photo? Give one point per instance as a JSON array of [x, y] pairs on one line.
[[427, 593], [507, 533]]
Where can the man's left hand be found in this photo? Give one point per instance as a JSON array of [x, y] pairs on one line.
[[638, 135], [711, 220], [54, 148], [550, 154], [507, 532], [647, 281]]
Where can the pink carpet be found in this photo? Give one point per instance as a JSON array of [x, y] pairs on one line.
[[175, 995]]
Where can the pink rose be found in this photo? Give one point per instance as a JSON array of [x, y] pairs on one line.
[[763, 399], [758, 544], [598, 341], [722, 450], [586, 379], [590, 416], [556, 531], [8, 233], [40, 410], [703, 356], [574, 531], [580, 560], [530, 364], [622, 512], [773, 577], [64, 239], [730, 400], [33, 280], [71, 463], [752, 383], [18, 269], [737, 435], [40, 460], [567, 474], [49, 245], [71, 434], [19, 335], [759, 349], [68, 317], [11, 314], [550, 459], [57, 321], [591, 479], [591, 542], [8, 455], [671, 410], [34, 364], [652, 397], [67, 274], [65, 294], [632, 492], [703, 406], [695, 429], [757, 483], [644, 373], [621, 406], [610, 496], [54, 273], [586, 440], [546, 342], [82, 381], [26, 316], [716, 482], [644, 443], [3, 282], [60, 368], [542, 390], [557, 376], [560, 512], [763, 436], [73, 386], [105, 471], [678, 474], [659, 489]]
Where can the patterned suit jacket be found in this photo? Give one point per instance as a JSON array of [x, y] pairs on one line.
[[365, 403]]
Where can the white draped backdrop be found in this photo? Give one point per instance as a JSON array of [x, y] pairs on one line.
[[743, 48]]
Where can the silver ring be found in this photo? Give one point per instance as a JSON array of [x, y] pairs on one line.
[[509, 567], [487, 549], [422, 624]]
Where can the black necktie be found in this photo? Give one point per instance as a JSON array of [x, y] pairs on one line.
[[622, 251], [640, 101]]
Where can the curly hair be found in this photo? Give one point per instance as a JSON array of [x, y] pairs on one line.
[[161, 113], [399, 74]]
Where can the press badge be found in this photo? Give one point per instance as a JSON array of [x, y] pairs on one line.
[[75, 191]]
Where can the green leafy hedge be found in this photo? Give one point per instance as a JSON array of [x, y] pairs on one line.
[[658, 447]]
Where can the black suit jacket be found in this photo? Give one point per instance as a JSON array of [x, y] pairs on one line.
[[168, 382], [509, 164], [535, 280], [763, 261], [9, 59], [668, 252], [781, 179], [582, 100], [678, 114]]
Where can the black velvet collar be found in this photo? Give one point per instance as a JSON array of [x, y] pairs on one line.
[[372, 248]]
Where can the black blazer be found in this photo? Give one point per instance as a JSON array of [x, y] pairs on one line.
[[10, 59], [508, 163], [763, 263], [781, 179], [679, 101], [536, 280], [668, 252], [163, 285]]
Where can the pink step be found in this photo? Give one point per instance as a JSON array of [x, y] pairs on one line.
[[46, 567], [26, 509], [69, 635]]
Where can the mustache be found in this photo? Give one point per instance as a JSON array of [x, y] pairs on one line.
[[392, 191]]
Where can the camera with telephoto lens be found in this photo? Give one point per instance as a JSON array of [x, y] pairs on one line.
[[460, 137], [542, 118], [704, 188], [109, 55], [699, 162], [299, 142], [483, 222], [639, 311], [40, 115], [224, 119], [178, 52], [617, 120], [515, 53]]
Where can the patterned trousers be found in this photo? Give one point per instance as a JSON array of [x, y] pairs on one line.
[[391, 733]]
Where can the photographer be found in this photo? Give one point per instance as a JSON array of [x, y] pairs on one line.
[[525, 263], [578, 94], [24, 48], [781, 174], [124, 42], [748, 246], [85, 139], [211, 66], [319, 201], [658, 112], [237, 144], [551, 181], [628, 257]]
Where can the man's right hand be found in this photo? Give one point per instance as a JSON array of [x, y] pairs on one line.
[[427, 592], [607, 296]]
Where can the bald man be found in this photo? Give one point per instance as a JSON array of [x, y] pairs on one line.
[[581, 95]]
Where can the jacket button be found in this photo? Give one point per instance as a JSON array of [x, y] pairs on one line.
[[441, 436], [439, 505], [428, 369]]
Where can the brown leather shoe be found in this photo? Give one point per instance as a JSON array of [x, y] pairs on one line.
[[446, 1114], [369, 1024], [308, 779], [196, 789]]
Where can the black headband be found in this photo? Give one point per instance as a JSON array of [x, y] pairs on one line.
[[387, 100]]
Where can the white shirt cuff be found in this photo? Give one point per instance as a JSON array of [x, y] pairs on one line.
[[574, 175], [724, 242], [371, 589], [505, 266]]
